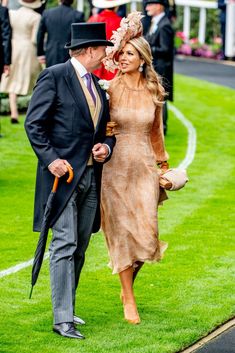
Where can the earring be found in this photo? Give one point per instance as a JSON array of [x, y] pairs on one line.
[[141, 69]]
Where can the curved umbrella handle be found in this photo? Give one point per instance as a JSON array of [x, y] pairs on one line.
[[70, 178], [56, 181]]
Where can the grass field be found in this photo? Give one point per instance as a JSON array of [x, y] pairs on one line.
[[180, 299]]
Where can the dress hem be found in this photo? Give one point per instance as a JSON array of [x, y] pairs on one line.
[[157, 258]]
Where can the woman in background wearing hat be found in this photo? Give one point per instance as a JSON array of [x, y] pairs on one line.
[[25, 67], [130, 181], [109, 16]]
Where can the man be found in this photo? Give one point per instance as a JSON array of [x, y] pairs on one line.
[[222, 4], [55, 25], [160, 36], [112, 21], [5, 43], [66, 125]]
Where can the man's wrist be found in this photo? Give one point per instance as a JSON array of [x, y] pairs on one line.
[[109, 149]]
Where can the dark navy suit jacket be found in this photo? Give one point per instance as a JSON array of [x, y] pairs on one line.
[[59, 125], [162, 47], [5, 38], [56, 23]]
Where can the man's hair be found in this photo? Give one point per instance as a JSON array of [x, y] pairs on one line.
[[66, 2], [80, 51], [77, 51]]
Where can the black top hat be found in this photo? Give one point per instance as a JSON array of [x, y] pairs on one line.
[[161, 2], [88, 35]]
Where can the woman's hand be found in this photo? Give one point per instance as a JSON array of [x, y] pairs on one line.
[[164, 166]]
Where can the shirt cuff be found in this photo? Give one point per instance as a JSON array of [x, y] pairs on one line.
[[105, 144], [52, 162]]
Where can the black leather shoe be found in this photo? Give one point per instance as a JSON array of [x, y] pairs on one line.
[[78, 321], [67, 329]]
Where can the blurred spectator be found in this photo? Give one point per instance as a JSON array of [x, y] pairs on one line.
[[55, 31], [160, 36], [5, 43], [121, 10], [222, 18], [112, 20], [42, 7], [11, 4], [25, 67], [170, 10]]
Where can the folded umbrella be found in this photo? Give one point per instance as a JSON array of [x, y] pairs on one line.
[[40, 250]]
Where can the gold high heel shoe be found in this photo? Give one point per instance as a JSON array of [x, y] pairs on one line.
[[132, 320]]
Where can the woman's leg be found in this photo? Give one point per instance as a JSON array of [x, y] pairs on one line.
[[129, 304], [136, 269], [135, 272], [13, 107]]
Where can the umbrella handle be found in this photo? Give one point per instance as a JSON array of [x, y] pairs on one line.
[[56, 181]]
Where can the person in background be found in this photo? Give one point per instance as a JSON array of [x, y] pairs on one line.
[[160, 36], [24, 64], [11, 4], [222, 17], [130, 191], [112, 21], [66, 125], [170, 9], [54, 31], [5, 43]]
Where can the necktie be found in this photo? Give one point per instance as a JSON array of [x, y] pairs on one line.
[[89, 87]]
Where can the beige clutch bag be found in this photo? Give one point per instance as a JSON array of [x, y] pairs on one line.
[[173, 179]]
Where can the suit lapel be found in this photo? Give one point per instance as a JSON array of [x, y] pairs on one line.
[[77, 93]]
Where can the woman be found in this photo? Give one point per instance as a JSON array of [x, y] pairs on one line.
[[130, 182], [25, 66]]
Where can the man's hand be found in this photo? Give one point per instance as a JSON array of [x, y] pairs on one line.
[[42, 59], [6, 70], [100, 152], [59, 167]]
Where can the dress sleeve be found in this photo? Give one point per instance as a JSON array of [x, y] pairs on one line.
[[157, 137], [35, 26]]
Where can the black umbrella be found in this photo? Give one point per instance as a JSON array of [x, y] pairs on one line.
[[39, 253]]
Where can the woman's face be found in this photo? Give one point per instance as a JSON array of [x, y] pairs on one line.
[[129, 59]]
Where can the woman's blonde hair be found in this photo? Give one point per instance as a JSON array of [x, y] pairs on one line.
[[153, 81]]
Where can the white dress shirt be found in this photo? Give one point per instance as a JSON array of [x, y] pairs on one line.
[[154, 22], [81, 70]]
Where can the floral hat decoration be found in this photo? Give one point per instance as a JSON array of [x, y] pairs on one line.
[[130, 27]]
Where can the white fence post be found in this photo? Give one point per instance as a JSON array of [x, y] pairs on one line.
[[186, 28], [80, 5], [202, 26], [230, 30]]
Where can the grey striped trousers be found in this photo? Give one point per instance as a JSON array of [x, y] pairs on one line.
[[70, 238]]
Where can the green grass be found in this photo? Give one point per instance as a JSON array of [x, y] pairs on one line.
[[180, 299]]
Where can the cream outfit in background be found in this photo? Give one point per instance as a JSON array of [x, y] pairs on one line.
[[25, 66]]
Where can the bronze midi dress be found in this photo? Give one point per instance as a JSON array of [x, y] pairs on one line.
[[130, 183]]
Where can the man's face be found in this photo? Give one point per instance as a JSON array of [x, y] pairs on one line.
[[97, 54], [154, 9]]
